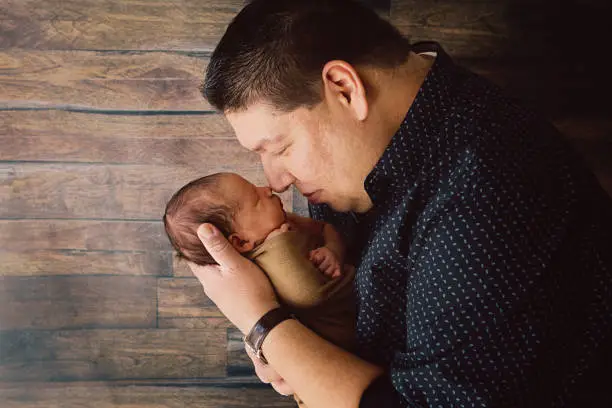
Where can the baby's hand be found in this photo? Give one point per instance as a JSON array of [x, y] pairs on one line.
[[327, 262], [283, 228]]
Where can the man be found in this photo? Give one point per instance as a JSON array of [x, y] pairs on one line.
[[482, 245]]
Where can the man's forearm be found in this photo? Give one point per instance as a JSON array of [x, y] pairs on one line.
[[322, 374]]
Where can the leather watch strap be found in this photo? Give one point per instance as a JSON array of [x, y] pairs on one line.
[[260, 330]]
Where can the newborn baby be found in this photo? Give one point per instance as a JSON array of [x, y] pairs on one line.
[[303, 258]]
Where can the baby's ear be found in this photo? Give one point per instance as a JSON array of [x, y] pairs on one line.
[[241, 245]]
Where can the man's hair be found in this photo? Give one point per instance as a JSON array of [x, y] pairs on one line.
[[196, 203], [274, 51]]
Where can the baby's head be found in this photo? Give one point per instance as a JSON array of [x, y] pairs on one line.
[[245, 214]]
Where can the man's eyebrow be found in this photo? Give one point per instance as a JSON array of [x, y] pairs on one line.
[[265, 142]]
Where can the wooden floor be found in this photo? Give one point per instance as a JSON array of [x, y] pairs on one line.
[[101, 121]]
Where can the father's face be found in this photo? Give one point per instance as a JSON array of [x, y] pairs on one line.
[[316, 149]]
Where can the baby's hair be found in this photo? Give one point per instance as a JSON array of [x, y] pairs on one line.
[[196, 203]]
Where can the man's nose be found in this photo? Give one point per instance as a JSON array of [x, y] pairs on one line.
[[278, 179]]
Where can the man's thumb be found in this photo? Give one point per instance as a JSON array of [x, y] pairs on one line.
[[206, 232], [215, 243]]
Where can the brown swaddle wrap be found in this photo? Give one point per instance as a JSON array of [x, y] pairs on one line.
[[325, 305]]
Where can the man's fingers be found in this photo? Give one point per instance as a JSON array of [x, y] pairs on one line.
[[282, 387], [218, 246], [265, 373], [204, 273]]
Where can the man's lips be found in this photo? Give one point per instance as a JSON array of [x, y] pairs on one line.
[[312, 196]]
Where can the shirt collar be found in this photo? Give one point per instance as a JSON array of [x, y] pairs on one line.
[[417, 143]]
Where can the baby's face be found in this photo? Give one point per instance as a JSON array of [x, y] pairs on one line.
[[259, 212]]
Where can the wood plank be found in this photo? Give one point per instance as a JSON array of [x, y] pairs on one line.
[[138, 192], [224, 394], [127, 25], [183, 297], [238, 361], [78, 355], [58, 123], [180, 268], [163, 81], [15, 235], [97, 80], [77, 262], [508, 29], [194, 323], [85, 137], [77, 302], [465, 29]]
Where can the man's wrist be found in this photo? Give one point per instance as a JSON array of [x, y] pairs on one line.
[[256, 336], [257, 314]]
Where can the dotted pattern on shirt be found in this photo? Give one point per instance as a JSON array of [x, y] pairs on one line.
[[484, 272]]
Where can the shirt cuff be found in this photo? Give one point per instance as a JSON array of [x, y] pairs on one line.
[[381, 393]]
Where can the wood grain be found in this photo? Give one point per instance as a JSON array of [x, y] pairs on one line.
[[77, 302], [125, 25], [78, 355], [465, 29], [180, 268], [85, 137], [18, 235], [96, 80], [162, 81], [183, 297], [503, 28], [58, 123], [77, 262], [238, 361], [114, 191], [194, 323], [224, 394]]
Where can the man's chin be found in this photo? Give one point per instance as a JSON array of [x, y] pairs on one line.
[[337, 206]]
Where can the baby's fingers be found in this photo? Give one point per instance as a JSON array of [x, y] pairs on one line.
[[327, 264], [316, 258]]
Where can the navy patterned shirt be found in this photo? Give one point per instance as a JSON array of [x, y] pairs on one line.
[[484, 268]]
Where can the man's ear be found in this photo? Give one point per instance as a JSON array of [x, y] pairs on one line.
[[241, 245], [342, 82]]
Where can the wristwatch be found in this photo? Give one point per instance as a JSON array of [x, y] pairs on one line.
[[260, 330]]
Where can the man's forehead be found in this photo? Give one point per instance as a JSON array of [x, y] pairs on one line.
[[256, 126]]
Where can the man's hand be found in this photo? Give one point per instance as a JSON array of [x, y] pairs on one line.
[[327, 262], [267, 375], [241, 291]]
